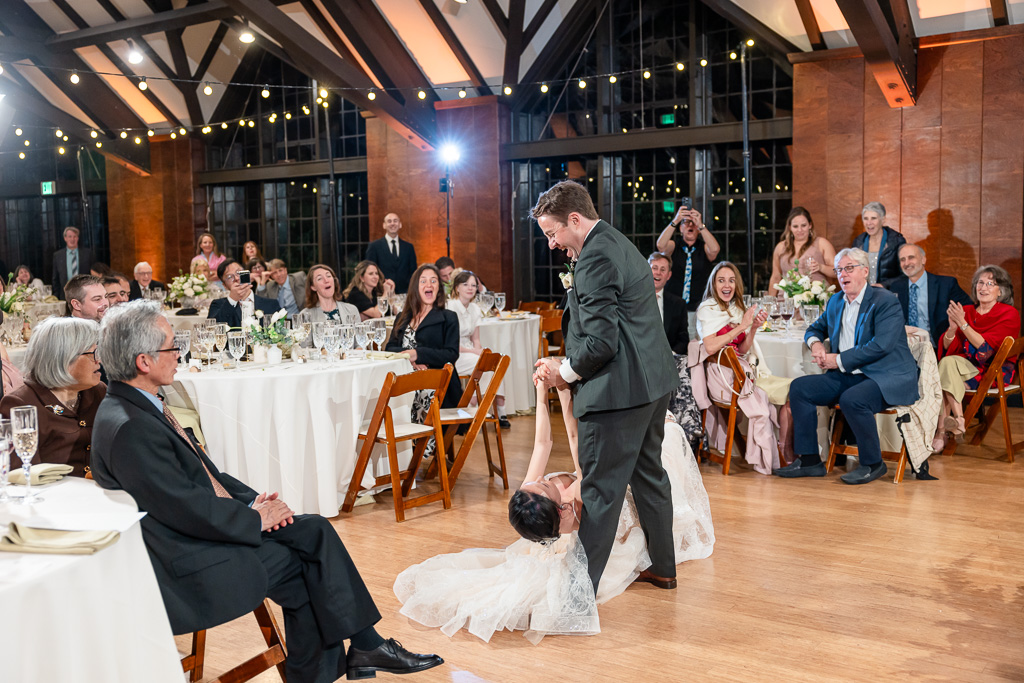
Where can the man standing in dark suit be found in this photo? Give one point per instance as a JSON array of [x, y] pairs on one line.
[[217, 547], [229, 309], [620, 368], [143, 282], [872, 370], [671, 307], [395, 257], [69, 262], [925, 296]]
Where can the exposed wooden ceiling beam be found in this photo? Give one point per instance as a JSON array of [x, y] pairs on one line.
[[514, 42], [572, 32], [187, 90], [771, 42], [888, 48], [445, 29], [1000, 17], [497, 16], [211, 52], [810, 24], [320, 62], [537, 21]]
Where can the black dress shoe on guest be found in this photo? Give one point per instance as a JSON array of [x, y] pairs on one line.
[[503, 421], [390, 658], [668, 583], [864, 474], [797, 469]]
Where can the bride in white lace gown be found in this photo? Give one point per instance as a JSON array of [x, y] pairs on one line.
[[543, 587]]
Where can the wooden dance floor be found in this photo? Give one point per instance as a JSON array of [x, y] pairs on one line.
[[810, 580]]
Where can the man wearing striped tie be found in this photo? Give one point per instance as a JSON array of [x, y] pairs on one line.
[[69, 262], [693, 250]]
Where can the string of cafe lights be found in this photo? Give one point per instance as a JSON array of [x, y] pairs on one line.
[[140, 135]]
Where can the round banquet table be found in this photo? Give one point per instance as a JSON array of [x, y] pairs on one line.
[[292, 428], [36, 311], [518, 339], [17, 355], [89, 618], [183, 322]]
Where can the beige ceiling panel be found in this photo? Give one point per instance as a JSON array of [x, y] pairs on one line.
[[51, 94], [125, 89], [133, 9], [299, 16], [544, 34], [222, 70], [480, 38], [931, 17], [91, 11], [414, 28], [196, 39], [781, 17], [53, 17], [166, 91]]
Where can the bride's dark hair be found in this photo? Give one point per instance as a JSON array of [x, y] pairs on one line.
[[534, 516]]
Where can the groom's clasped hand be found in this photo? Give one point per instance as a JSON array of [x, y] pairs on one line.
[[547, 373]]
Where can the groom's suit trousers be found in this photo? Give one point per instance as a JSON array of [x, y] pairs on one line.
[[620, 447]]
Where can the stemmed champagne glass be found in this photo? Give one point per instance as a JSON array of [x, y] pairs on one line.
[[499, 302], [220, 337], [183, 340], [380, 333], [25, 428], [318, 338], [236, 345], [5, 458]]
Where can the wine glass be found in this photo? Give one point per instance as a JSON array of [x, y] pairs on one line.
[[347, 335], [499, 302], [810, 313], [397, 304], [362, 336], [747, 300], [236, 345], [318, 337], [220, 337], [25, 428], [380, 333], [5, 458], [786, 311], [773, 306], [382, 305], [183, 340], [332, 341], [486, 302]]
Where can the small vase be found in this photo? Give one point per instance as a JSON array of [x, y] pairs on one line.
[[259, 354], [274, 355]]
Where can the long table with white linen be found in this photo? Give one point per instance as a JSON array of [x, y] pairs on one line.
[[87, 618], [292, 428], [518, 339]]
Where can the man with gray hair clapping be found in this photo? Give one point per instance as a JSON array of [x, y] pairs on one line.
[[217, 547]]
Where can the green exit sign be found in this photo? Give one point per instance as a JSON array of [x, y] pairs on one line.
[[668, 119], [47, 187], [668, 207]]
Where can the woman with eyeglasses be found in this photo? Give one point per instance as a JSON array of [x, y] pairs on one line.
[[968, 346], [63, 383]]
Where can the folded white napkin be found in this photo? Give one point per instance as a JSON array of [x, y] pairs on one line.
[[44, 473]]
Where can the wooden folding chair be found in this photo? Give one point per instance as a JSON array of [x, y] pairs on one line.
[[836, 447], [993, 386], [536, 306], [550, 333], [274, 655], [727, 358], [382, 429], [477, 417]]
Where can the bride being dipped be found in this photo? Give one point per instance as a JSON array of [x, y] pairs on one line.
[[540, 584]]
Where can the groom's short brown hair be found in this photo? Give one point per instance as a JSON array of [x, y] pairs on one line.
[[564, 198]]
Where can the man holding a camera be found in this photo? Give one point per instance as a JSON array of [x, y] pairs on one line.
[[229, 310], [693, 250]]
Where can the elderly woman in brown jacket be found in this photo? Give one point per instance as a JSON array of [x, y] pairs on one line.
[[62, 380]]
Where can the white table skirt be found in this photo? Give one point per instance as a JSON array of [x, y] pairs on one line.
[[292, 428], [85, 618], [183, 322], [517, 339], [17, 356]]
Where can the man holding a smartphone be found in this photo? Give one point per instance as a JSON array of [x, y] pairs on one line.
[[239, 284], [693, 250]]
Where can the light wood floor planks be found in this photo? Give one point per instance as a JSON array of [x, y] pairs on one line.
[[810, 580]]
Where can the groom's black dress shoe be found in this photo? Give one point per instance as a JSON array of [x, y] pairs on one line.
[[390, 658], [658, 581], [798, 469], [864, 474]]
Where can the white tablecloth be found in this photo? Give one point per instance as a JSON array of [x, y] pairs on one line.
[[17, 356], [183, 322], [292, 428], [85, 618], [517, 339]]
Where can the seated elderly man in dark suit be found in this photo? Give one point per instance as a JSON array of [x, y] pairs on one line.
[[671, 307], [923, 295], [872, 370], [229, 309], [218, 549]]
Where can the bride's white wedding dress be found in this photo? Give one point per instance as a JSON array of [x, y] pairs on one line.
[[546, 589]]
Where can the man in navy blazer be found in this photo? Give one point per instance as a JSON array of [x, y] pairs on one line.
[[229, 310], [929, 292], [872, 370], [671, 307], [395, 257]]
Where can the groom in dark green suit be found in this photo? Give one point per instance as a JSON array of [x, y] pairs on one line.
[[620, 368]]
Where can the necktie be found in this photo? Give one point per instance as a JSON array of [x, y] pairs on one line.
[[74, 264], [218, 488], [689, 272], [912, 308], [394, 248]]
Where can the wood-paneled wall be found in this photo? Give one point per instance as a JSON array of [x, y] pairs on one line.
[[156, 218], [950, 170], [404, 179]]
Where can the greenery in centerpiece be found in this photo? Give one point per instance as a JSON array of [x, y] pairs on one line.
[[14, 301], [803, 290], [274, 334]]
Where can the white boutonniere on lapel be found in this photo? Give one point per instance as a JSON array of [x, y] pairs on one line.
[[567, 278]]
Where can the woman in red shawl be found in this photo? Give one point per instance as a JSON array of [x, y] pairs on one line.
[[967, 348]]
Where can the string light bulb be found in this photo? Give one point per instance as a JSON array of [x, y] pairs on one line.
[[181, 131], [265, 93], [58, 133], [21, 155], [143, 85], [224, 126], [150, 133], [61, 150], [252, 124], [124, 134], [732, 55], [18, 132], [543, 87], [680, 66], [207, 89], [371, 96], [27, 143], [65, 138], [647, 74], [703, 62], [74, 78], [582, 84], [98, 144], [93, 134], [750, 42], [287, 116], [612, 79], [323, 92], [507, 90], [138, 140], [462, 94], [422, 95]]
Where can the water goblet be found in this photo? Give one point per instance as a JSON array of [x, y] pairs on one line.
[[380, 333], [318, 337], [362, 336], [347, 335], [486, 302], [747, 300], [25, 430], [236, 345], [183, 340], [332, 342], [499, 302], [5, 457], [382, 305]]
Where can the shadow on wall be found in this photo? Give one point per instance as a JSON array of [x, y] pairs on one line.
[[950, 254]]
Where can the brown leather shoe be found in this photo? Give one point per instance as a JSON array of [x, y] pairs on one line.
[[657, 581]]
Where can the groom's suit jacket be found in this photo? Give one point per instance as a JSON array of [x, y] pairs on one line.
[[614, 336]]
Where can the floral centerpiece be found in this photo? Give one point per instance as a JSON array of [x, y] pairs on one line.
[[803, 290], [274, 334], [13, 302], [189, 286]]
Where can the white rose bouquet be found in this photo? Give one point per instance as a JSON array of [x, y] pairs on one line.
[[803, 290], [189, 286], [14, 300]]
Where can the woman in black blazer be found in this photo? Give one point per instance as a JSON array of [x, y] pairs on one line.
[[428, 334], [881, 243]]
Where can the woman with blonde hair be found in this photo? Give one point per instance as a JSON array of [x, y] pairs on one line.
[[207, 249], [802, 249], [365, 288]]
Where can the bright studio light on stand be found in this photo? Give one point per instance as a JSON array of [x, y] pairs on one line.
[[450, 153]]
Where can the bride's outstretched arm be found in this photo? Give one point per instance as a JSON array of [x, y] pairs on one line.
[[542, 437], [565, 398]]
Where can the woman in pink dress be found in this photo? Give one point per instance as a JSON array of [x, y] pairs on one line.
[[206, 247], [800, 248]]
